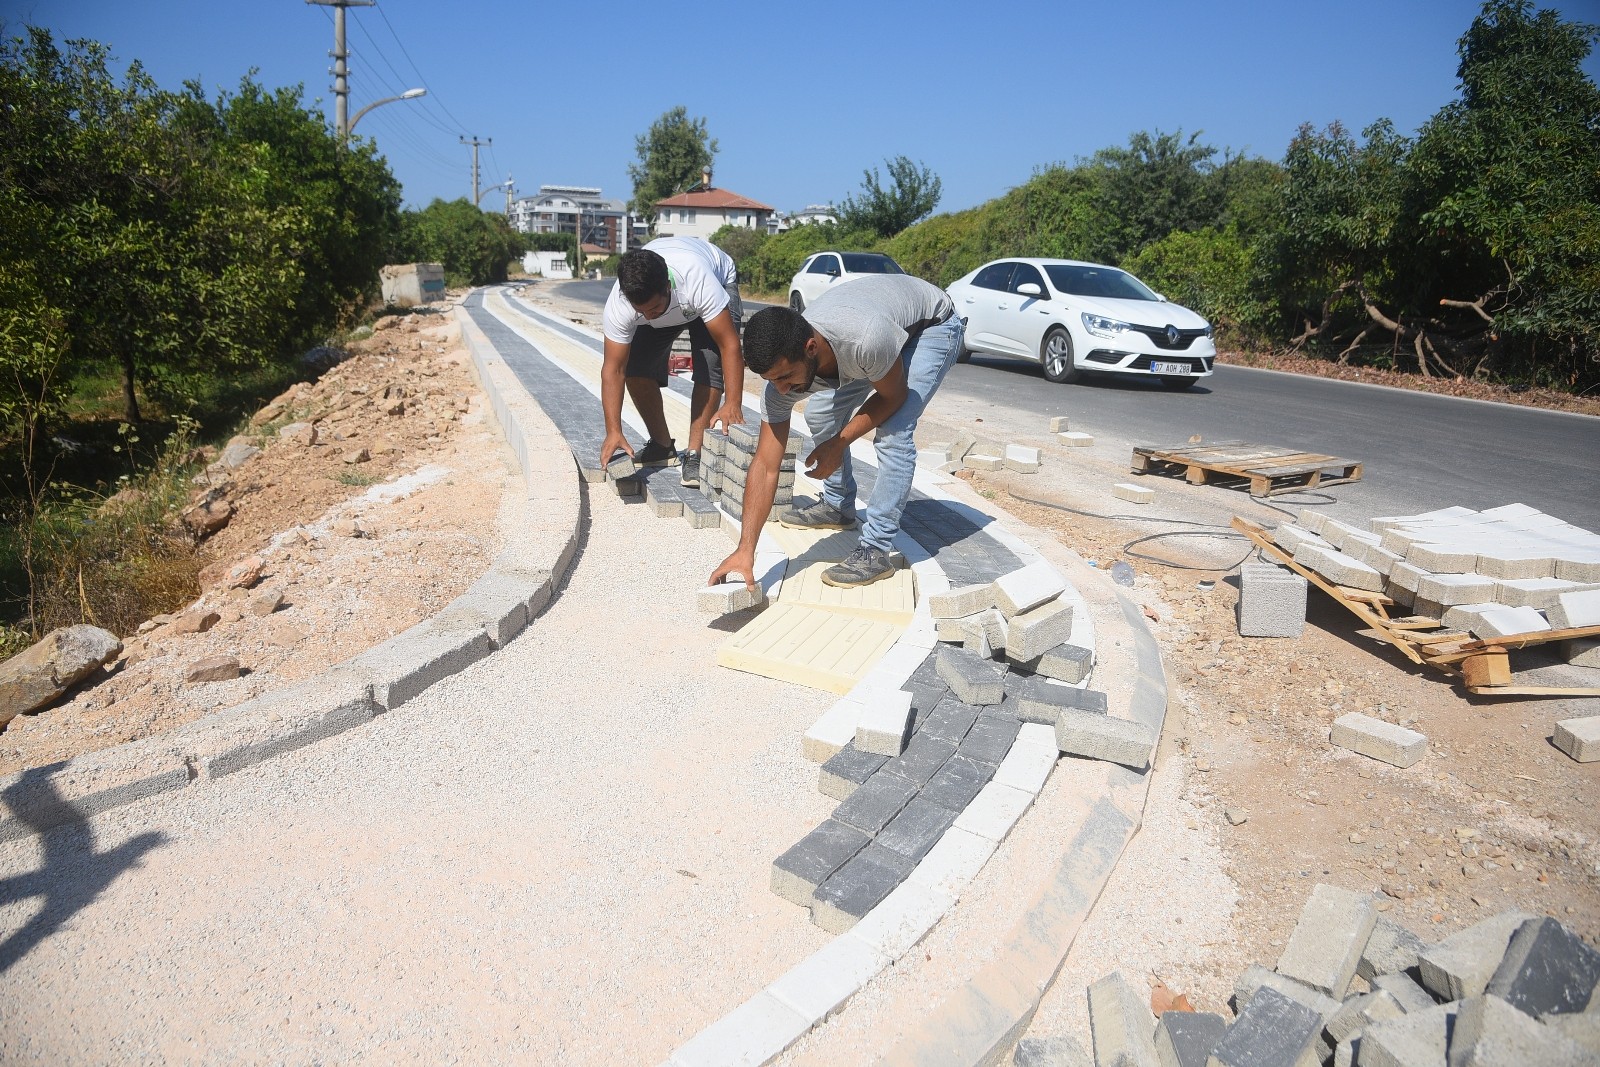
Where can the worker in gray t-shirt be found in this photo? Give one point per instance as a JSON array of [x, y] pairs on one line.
[[869, 355]]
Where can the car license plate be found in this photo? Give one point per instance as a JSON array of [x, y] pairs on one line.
[[1171, 368]]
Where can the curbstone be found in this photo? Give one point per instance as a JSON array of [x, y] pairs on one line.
[[1057, 1051], [1362, 1010], [1120, 1023], [1099, 736], [1489, 1032], [1023, 459], [1383, 741], [1187, 1038], [1026, 588], [1579, 738], [1391, 949], [1461, 965], [1405, 990], [1453, 589], [278, 722], [1042, 701], [981, 462], [1581, 608], [1326, 943], [409, 662], [38, 799]]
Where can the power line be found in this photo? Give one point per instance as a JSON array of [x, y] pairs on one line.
[[461, 125]]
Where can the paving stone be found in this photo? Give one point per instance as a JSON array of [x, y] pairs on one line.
[[1585, 570], [1025, 589], [1453, 589], [1417, 1039], [1360, 1011], [1033, 633], [1547, 970], [876, 801], [1272, 601], [921, 760], [1135, 494], [957, 783], [1058, 424], [1489, 1032], [1467, 616], [964, 440], [1290, 536], [1256, 977], [1377, 557], [1580, 608], [1502, 563], [1339, 567], [981, 462], [916, 829], [1381, 740], [1405, 990], [1121, 1024], [629, 488], [1098, 736], [1583, 1029], [1408, 576], [1391, 949], [994, 811], [1076, 439], [1579, 738], [1582, 652], [1023, 459], [1057, 1051], [1065, 663], [835, 729], [885, 721], [1443, 558], [1272, 1029], [973, 679], [728, 597], [846, 770], [962, 601], [1186, 1038], [1031, 759], [949, 721], [990, 739], [1040, 700], [1461, 965], [857, 887], [1497, 621], [1326, 943], [798, 872], [1531, 592]]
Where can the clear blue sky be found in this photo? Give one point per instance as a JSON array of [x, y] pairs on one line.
[[803, 97]]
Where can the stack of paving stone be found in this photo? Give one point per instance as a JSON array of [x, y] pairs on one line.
[[1507, 570], [725, 465], [1353, 989], [663, 490], [985, 454]]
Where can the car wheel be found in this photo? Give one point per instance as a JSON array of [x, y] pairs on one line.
[[796, 302], [1056, 356], [1181, 381], [965, 355]]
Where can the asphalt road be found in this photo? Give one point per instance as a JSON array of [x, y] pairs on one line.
[[1419, 451]]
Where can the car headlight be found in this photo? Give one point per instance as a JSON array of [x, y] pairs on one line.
[[1210, 332], [1101, 326]]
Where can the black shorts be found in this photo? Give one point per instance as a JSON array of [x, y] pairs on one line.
[[651, 345]]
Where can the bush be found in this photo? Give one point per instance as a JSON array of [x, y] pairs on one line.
[[779, 256], [1211, 271]]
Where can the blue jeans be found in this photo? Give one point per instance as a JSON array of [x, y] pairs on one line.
[[926, 358]]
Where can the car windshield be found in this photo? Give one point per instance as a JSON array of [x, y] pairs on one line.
[[1105, 282], [862, 263]]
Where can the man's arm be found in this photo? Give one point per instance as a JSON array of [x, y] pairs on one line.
[[888, 393], [760, 486], [720, 327], [612, 372]]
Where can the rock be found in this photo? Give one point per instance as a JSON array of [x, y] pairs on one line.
[[243, 574], [360, 455], [1236, 816], [212, 669], [195, 622], [349, 528], [38, 675], [323, 357], [303, 434], [208, 516], [267, 600], [238, 453]]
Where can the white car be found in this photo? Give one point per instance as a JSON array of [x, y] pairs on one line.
[[1073, 318], [824, 270]]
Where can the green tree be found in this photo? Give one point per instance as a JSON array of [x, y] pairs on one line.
[[1151, 187], [475, 247], [672, 153], [780, 255], [741, 243], [913, 193]]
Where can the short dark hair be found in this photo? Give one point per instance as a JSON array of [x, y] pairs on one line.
[[642, 274], [772, 334]]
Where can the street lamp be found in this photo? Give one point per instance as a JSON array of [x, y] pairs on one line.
[[409, 94]]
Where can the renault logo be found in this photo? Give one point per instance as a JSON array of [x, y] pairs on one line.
[[1172, 334]]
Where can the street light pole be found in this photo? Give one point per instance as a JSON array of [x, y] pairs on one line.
[[341, 82], [409, 94]]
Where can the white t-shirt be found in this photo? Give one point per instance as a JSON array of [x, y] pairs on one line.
[[701, 275]]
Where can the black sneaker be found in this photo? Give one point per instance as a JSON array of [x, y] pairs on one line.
[[689, 470], [654, 455], [816, 515], [863, 567]]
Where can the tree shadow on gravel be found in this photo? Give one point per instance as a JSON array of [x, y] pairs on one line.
[[72, 874]]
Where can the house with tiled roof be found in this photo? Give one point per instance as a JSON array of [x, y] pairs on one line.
[[705, 209]]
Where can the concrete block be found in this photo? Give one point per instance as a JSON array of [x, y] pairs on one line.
[[1121, 1024], [728, 597], [980, 462], [1408, 576], [411, 661], [1064, 663], [1058, 1050], [1312, 519], [1503, 563], [972, 678], [1497, 621], [1381, 740], [1417, 1039], [1584, 569], [921, 760], [917, 828], [957, 783], [1326, 943], [961, 445], [1461, 965], [1343, 536], [857, 887], [1255, 977], [1058, 424], [885, 722], [846, 770], [1583, 1029], [1466, 616], [1579, 738], [43, 798], [1033, 633], [1039, 700], [1538, 593], [1075, 439], [1581, 608], [961, 601], [1361, 1010], [1021, 458], [1095, 736], [833, 731], [1377, 557], [1444, 558], [1186, 1038], [1453, 589], [1491, 1033], [1272, 1029], [1339, 568], [878, 799], [1135, 494], [798, 872], [1405, 990], [1027, 587], [1290, 537], [1430, 609], [1547, 970], [1272, 601], [1391, 949]]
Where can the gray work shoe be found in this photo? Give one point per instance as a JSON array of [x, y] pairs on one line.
[[689, 470], [817, 515], [863, 567], [654, 455]]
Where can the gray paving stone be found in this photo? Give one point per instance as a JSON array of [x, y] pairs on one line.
[[858, 887], [1489, 1032], [1272, 1029], [1391, 949], [1547, 970], [877, 800], [1027, 588], [1033, 633], [1041, 701], [1121, 1024], [1256, 977], [949, 721], [846, 770], [990, 739], [1325, 945], [798, 872], [957, 783], [921, 760], [1065, 663], [916, 829], [1186, 1038], [1461, 965], [1404, 989], [1360, 1011], [1097, 736], [962, 601], [972, 678]]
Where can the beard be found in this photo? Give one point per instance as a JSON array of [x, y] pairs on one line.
[[810, 363]]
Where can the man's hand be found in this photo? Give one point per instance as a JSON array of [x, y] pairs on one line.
[[608, 448], [741, 562], [730, 414], [825, 458]]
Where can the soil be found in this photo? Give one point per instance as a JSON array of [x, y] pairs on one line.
[[388, 516]]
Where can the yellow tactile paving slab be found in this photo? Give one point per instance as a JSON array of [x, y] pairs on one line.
[[890, 600], [809, 545], [810, 646]]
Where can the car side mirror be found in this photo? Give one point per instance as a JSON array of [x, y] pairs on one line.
[[1030, 289], [833, 272]]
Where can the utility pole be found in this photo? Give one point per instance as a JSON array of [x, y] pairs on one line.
[[341, 73], [476, 144]]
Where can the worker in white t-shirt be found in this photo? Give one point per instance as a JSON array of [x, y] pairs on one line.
[[671, 283]]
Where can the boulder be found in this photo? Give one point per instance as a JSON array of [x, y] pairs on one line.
[[38, 675], [212, 669]]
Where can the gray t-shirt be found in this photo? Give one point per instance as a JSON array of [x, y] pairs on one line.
[[867, 322]]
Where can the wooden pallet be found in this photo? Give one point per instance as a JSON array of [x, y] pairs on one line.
[[1269, 469], [1484, 667]]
